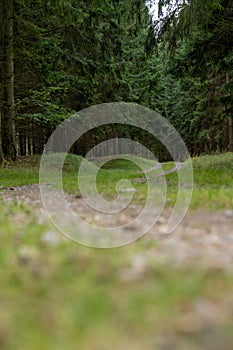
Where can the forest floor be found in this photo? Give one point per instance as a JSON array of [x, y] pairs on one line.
[[165, 291], [203, 237]]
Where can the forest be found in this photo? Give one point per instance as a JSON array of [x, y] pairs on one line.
[[60, 57], [124, 249]]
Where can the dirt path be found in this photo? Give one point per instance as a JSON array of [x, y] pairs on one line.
[[203, 237], [177, 166]]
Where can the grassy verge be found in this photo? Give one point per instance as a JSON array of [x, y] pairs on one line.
[[213, 178]]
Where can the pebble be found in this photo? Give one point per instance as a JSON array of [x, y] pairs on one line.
[[132, 189], [137, 268], [229, 237], [27, 254], [163, 229], [162, 220], [50, 237], [228, 214]]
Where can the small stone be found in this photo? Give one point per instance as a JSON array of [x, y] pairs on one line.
[[163, 229], [50, 237], [228, 214], [161, 220], [136, 270], [128, 189], [47, 184], [27, 254], [139, 263], [229, 237], [130, 228]]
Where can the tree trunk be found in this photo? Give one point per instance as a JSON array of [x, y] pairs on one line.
[[1, 151], [8, 143], [1, 99], [230, 124]]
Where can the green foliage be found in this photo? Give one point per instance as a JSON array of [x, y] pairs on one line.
[[70, 57], [196, 45]]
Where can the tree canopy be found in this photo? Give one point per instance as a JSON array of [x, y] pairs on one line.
[[60, 57]]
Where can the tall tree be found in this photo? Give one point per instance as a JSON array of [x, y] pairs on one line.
[[197, 36], [7, 115], [1, 151], [70, 55]]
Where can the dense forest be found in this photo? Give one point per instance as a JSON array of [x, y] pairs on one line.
[[58, 57]]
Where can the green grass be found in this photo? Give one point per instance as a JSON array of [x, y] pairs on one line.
[[213, 178], [213, 181], [24, 171], [65, 296]]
